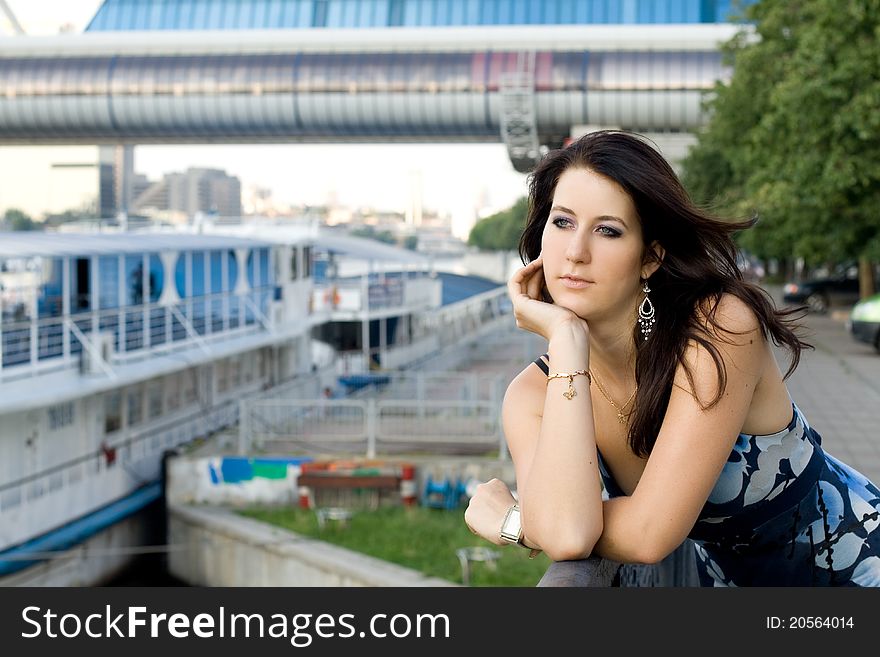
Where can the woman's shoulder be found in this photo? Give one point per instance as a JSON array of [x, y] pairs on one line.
[[527, 388], [728, 316]]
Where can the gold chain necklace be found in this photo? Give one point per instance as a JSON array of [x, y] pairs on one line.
[[620, 416]]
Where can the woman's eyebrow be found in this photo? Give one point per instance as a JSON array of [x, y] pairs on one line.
[[604, 217], [611, 217]]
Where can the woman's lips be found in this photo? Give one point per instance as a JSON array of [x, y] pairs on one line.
[[575, 283]]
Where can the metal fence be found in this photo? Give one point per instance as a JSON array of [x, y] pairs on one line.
[[447, 403], [370, 426]]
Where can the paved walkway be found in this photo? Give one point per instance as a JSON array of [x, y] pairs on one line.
[[837, 386]]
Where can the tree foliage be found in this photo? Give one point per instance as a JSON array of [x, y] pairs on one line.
[[794, 136], [15, 219], [370, 233], [501, 231]]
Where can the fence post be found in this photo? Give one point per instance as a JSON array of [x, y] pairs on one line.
[[372, 422], [243, 428], [420, 393]]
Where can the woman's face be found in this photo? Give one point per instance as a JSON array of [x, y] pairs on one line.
[[592, 246]]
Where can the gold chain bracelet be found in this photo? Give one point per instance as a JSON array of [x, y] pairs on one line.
[[570, 376]]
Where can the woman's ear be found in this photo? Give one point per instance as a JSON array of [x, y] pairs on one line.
[[654, 255]]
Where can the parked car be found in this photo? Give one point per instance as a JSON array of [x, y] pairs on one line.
[[864, 321], [819, 294]]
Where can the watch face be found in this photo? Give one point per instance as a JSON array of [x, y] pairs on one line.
[[512, 527]]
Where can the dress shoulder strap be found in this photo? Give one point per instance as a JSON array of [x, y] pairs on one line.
[[539, 361]]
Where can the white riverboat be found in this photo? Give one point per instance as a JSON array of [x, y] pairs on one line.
[[120, 347], [115, 349]]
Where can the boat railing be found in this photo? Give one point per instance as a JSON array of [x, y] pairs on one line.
[[111, 336], [444, 330], [362, 294]]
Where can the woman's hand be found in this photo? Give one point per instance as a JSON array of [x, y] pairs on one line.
[[487, 508], [530, 311]]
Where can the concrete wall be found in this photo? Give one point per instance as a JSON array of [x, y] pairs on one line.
[[211, 545], [94, 561], [233, 480], [216, 547], [243, 481]]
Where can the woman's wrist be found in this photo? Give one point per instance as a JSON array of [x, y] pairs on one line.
[[570, 330], [569, 348]]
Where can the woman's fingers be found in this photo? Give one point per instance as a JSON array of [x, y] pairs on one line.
[[522, 280], [535, 283]]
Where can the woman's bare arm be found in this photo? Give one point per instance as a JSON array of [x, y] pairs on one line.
[[692, 447], [551, 438], [553, 447]]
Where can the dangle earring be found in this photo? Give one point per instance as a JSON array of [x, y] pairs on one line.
[[646, 312]]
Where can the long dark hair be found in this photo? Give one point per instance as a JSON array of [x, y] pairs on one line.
[[700, 264]]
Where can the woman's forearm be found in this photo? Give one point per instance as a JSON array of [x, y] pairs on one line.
[[625, 537], [615, 543], [561, 503]]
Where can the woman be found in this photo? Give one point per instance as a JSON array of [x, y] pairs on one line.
[[660, 383]]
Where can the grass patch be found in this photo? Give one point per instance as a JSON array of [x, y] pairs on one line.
[[420, 538]]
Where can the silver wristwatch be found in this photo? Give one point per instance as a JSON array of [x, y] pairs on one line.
[[511, 527]]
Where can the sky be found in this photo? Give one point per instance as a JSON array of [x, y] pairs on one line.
[[454, 179]]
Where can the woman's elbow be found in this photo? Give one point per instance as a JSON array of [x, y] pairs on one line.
[[571, 546]]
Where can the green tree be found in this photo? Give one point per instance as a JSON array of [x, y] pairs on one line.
[[371, 233], [501, 231], [15, 219], [794, 136]]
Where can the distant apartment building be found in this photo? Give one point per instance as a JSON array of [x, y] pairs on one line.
[[184, 195]]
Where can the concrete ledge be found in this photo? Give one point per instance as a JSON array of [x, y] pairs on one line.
[[214, 546]]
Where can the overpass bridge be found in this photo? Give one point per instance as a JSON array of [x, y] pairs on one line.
[[528, 86]]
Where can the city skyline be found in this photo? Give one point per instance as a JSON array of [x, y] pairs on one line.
[[457, 180]]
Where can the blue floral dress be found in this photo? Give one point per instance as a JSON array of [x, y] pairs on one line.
[[786, 513]]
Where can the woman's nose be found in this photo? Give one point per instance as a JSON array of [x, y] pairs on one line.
[[577, 249]]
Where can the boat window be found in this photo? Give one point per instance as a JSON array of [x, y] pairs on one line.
[[18, 284], [49, 298], [60, 416], [294, 272], [216, 272], [231, 271], [112, 411], [157, 277], [154, 399], [264, 267], [172, 392], [258, 268], [234, 372], [198, 273], [135, 405], [307, 261], [221, 368], [247, 367], [108, 282], [252, 269], [180, 275], [189, 385], [134, 280], [80, 279]]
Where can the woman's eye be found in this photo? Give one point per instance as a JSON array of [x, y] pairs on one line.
[[561, 222], [607, 230]]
